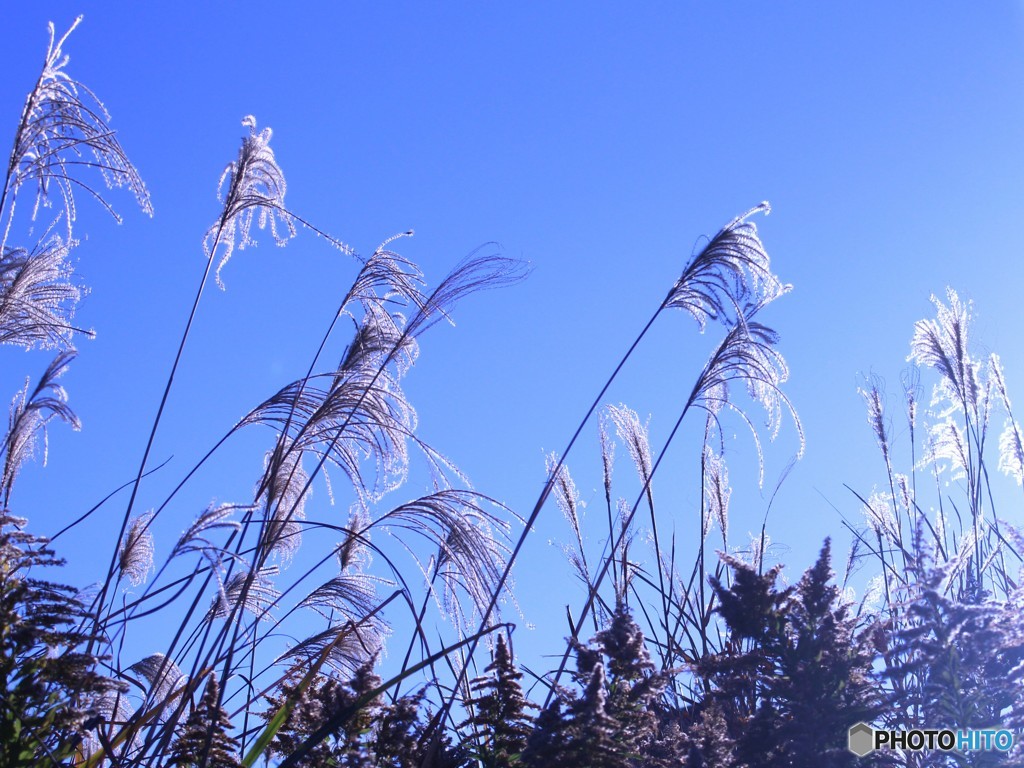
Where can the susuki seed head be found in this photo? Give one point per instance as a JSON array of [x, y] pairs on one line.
[[135, 558], [731, 274], [255, 192]]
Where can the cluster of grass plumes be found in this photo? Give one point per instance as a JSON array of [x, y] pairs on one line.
[[693, 659], [209, 695], [947, 562]]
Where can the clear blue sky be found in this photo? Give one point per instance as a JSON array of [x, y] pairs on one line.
[[596, 141]]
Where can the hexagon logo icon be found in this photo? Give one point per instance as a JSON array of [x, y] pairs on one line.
[[861, 739]]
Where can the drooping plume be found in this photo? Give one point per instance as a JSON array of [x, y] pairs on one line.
[[165, 680], [30, 415], [64, 127], [256, 190], [747, 356], [731, 274], [37, 297], [470, 540], [252, 592]]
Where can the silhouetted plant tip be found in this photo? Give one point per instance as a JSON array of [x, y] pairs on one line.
[[64, 127]]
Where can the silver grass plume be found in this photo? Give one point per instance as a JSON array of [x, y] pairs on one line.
[[257, 588], [567, 497], [959, 561], [37, 298], [135, 555], [353, 552], [1011, 444], [731, 273], [947, 443], [754, 554], [626, 537], [477, 272], [352, 645], [29, 416], [380, 339], [852, 558], [873, 593], [164, 680], [635, 436], [607, 455], [64, 126], [881, 517], [385, 279], [471, 553], [196, 538], [905, 494], [256, 189], [942, 344], [284, 502], [748, 356], [352, 595], [876, 416], [115, 709], [717, 492], [356, 417], [361, 414]]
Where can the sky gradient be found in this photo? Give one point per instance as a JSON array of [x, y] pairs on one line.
[[598, 143]]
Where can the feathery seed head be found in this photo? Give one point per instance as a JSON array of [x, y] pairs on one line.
[[876, 414], [1011, 451], [135, 557], [37, 297], [947, 449], [880, 516], [284, 502], [29, 416], [61, 122], [717, 492], [566, 495], [195, 537], [255, 192], [353, 552], [253, 592], [730, 274], [1011, 442], [471, 542], [607, 455], [634, 435], [748, 355], [942, 344], [165, 679]]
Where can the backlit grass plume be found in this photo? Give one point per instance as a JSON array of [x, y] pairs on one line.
[[31, 413], [135, 559], [730, 274], [255, 192], [64, 128], [37, 297]]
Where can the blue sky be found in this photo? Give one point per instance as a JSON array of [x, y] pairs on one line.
[[595, 141]]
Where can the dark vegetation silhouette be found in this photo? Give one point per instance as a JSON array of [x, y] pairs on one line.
[[694, 659]]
